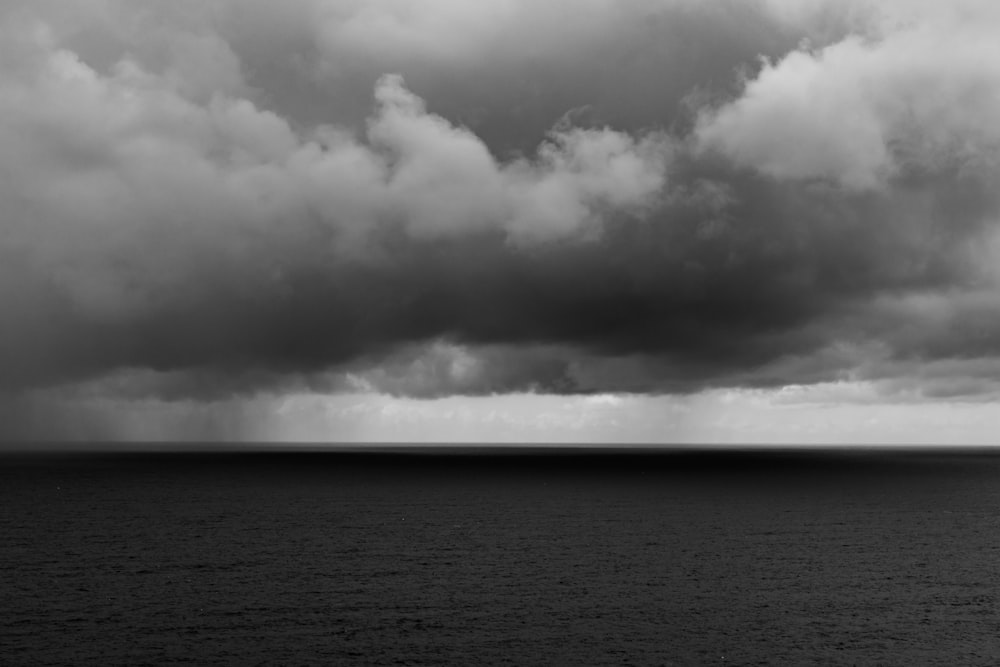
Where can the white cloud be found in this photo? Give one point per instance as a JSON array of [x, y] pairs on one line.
[[922, 95], [442, 179], [127, 191], [150, 173]]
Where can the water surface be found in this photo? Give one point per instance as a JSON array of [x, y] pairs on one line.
[[582, 557]]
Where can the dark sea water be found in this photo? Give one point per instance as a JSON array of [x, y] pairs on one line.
[[677, 558]]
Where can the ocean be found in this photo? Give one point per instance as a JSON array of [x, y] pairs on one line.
[[501, 557]]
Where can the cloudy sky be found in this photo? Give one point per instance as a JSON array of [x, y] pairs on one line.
[[508, 220]]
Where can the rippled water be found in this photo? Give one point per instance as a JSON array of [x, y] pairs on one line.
[[418, 560]]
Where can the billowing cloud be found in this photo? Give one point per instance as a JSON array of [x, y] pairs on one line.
[[918, 97], [206, 200], [134, 207]]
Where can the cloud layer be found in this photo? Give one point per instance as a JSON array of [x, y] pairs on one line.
[[208, 199]]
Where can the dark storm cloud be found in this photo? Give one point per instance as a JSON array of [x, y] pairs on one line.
[[209, 198]]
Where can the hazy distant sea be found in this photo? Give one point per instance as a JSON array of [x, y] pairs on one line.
[[566, 559]]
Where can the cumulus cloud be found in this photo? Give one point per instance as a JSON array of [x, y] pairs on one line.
[[919, 97], [202, 200], [441, 179], [132, 202]]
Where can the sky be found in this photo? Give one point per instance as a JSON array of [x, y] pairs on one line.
[[594, 221]]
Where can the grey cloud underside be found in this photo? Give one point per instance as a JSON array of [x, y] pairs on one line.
[[683, 300], [721, 275]]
